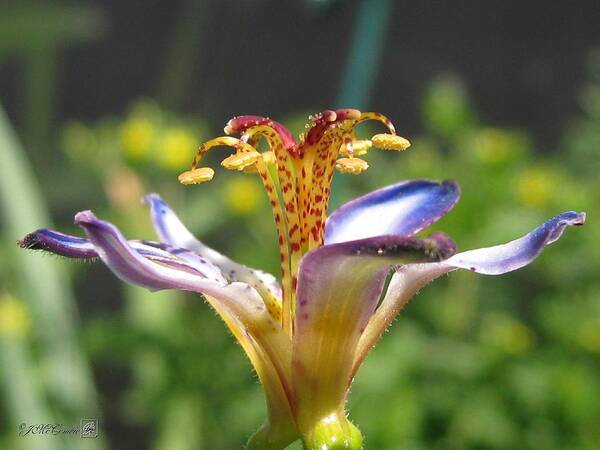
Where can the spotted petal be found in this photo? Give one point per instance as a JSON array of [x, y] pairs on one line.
[[338, 289], [401, 209], [496, 260], [171, 230]]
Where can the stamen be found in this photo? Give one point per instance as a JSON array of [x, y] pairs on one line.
[[223, 141], [196, 176], [241, 124], [333, 138], [390, 142], [378, 117], [266, 157], [288, 290], [351, 165], [297, 178], [356, 148], [287, 184], [241, 160]]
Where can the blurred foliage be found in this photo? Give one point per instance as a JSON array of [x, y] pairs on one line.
[[473, 362], [496, 363]]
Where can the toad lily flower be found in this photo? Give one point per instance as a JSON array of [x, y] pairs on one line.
[[307, 338]]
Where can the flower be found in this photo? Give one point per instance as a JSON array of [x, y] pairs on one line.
[[15, 320], [136, 138], [308, 336]]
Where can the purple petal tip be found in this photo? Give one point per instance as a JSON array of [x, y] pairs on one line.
[[520, 252], [152, 197], [58, 243], [579, 219], [85, 217], [32, 241], [443, 245]]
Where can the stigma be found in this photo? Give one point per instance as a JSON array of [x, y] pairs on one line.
[[297, 174]]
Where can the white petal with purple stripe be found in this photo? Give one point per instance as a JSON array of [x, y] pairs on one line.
[[401, 209]]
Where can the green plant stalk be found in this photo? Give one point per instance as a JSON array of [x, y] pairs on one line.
[[40, 100], [21, 391], [364, 57], [45, 287], [362, 65], [175, 80]]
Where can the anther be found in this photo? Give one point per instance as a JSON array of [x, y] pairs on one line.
[[390, 142], [240, 160], [351, 165], [196, 176], [358, 148]]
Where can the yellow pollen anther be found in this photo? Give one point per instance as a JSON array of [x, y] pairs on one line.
[[351, 165], [240, 160], [358, 148], [267, 157], [196, 176], [390, 142]]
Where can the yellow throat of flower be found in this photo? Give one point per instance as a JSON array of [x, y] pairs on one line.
[[296, 176]]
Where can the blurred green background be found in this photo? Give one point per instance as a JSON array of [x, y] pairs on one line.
[[105, 101]]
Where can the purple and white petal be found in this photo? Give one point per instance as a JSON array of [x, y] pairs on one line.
[[518, 253], [408, 280], [171, 230], [59, 243], [241, 307], [76, 247], [401, 209], [160, 270], [338, 290]]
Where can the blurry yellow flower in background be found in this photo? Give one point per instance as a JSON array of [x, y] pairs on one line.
[[177, 144], [507, 333], [137, 135], [493, 146], [536, 186], [14, 318], [242, 196], [589, 335]]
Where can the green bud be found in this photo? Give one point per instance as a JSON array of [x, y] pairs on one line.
[[334, 432]]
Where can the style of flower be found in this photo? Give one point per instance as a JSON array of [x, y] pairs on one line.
[[307, 337]]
